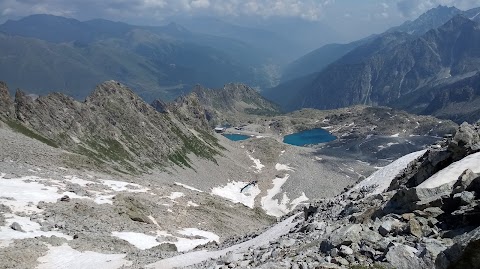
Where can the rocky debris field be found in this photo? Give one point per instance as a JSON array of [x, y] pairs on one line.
[[427, 216]]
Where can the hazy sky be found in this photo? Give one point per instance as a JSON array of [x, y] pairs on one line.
[[354, 17]]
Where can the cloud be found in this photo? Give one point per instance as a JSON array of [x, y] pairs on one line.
[[159, 9], [413, 8]]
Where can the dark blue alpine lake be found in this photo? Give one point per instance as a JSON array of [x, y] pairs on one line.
[[309, 137], [236, 137]]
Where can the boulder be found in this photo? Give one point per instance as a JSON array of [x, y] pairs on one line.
[[414, 228], [346, 235], [17, 227], [404, 257]]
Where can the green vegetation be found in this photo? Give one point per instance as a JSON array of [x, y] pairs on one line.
[[20, 128], [262, 112]]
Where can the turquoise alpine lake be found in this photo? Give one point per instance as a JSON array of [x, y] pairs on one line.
[[309, 137], [236, 137]]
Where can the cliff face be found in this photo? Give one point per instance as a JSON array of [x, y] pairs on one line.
[[115, 126]]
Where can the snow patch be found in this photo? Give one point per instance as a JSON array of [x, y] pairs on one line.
[[283, 167], [382, 178], [232, 192], [196, 257], [187, 187], [190, 203], [66, 257], [257, 164], [144, 241], [276, 207], [395, 135], [119, 186], [451, 173], [174, 195], [32, 230], [23, 194]]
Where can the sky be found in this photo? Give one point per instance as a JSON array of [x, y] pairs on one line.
[[352, 17]]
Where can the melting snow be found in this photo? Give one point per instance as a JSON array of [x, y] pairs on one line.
[[124, 186], [395, 135], [196, 257], [190, 203], [451, 173], [32, 230], [283, 167], [67, 257], [187, 187], [23, 194], [144, 241], [257, 164], [277, 208], [174, 195], [382, 178], [232, 192]]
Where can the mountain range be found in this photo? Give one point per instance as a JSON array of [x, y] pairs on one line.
[[411, 71], [62, 54]]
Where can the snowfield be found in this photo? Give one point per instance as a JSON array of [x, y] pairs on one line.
[[144, 241], [450, 174], [66, 257], [232, 192], [382, 178], [196, 257], [274, 207]]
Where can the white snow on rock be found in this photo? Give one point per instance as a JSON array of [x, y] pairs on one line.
[[32, 230], [174, 195], [190, 203], [23, 194], [139, 240], [187, 187], [283, 167], [257, 164], [451, 173], [395, 135], [144, 241], [382, 178], [124, 186], [232, 192], [196, 257], [274, 207], [66, 257]]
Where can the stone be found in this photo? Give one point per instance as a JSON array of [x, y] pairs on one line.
[[345, 251], [388, 226], [464, 198], [65, 198], [326, 246], [464, 181], [346, 235], [341, 261], [168, 247], [404, 257], [414, 228], [16, 226]]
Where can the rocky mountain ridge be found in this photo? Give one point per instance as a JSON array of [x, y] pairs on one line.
[[395, 70], [234, 104], [112, 125]]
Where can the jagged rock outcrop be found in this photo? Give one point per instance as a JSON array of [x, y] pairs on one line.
[[232, 104], [6, 102], [114, 126]]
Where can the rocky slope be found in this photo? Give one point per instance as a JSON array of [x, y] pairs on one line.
[[234, 104], [112, 126], [422, 211]]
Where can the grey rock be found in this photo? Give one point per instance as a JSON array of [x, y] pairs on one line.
[[404, 257], [464, 198], [414, 228], [17, 227], [388, 226], [346, 235], [345, 251]]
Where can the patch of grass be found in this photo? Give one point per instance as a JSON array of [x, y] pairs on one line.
[[262, 112], [20, 128], [191, 144]]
